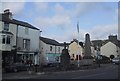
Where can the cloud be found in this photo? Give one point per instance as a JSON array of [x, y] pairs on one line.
[[56, 20], [96, 33], [59, 9], [13, 0], [61, 0], [101, 32], [84, 8], [41, 6], [63, 18], [15, 7]]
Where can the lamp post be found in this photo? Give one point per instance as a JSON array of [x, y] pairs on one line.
[[39, 48], [39, 51]]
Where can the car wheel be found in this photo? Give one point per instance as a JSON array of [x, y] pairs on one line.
[[15, 70]]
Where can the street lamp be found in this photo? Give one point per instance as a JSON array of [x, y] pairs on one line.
[[39, 48]]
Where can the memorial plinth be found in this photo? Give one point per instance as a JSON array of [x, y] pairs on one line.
[[87, 58]]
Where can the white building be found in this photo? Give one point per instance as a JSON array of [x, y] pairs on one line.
[[75, 50], [50, 51], [110, 49], [18, 40]]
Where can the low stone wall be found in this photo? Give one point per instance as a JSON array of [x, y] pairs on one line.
[[83, 62], [86, 62]]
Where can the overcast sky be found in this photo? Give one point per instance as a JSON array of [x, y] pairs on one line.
[[58, 20]]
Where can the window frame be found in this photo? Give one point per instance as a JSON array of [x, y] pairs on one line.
[[50, 48], [6, 26], [26, 43], [4, 39], [26, 30], [8, 39]]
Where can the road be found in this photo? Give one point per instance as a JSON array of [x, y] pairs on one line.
[[106, 71]]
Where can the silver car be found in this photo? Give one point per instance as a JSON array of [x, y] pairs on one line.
[[116, 60]]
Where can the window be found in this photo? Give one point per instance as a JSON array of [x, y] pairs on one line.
[[8, 40], [26, 44], [73, 55], [50, 48], [6, 26], [3, 39], [59, 49], [76, 57], [26, 30]]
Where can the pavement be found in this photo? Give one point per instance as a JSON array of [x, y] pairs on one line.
[[33, 75]]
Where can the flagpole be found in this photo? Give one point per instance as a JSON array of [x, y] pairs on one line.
[[78, 44]]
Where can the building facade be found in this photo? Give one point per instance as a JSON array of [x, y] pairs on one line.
[[76, 51], [19, 41], [110, 49], [50, 51]]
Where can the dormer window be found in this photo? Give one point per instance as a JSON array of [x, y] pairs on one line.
[[6, 26]]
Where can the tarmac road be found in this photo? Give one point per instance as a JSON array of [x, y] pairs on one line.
[[106, 71]]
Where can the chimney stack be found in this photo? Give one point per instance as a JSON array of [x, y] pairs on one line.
[[113, 38], [8, 14]]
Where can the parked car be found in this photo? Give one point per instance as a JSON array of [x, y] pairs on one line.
[[103, 59], [15, 67], [116, 60]]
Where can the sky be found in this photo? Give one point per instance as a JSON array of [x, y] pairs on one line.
[[58, 20]]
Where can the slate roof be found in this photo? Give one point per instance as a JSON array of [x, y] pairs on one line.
[[14, 21], [75, 40], [116, 43], [49, 41], [62, 44]]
